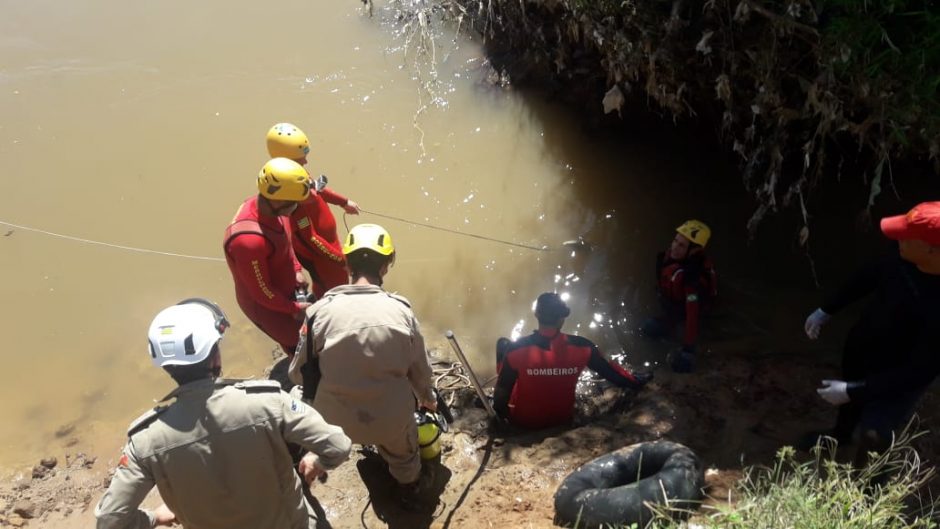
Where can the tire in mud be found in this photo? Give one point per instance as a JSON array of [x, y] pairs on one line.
[[614, 488]]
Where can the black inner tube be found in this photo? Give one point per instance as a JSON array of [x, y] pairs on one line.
[[613, 489]]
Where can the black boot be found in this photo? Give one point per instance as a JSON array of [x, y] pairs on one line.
[[413, 497]]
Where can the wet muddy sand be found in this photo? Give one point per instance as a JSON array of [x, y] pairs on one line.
[[736, 410]]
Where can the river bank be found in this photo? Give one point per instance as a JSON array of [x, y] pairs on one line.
[[525, 177], [735, 411]]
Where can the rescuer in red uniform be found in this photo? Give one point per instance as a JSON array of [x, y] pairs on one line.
[[686, 283], [538, 373], [315, 240], [258, 250]]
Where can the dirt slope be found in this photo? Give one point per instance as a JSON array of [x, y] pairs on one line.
[[738, 408]]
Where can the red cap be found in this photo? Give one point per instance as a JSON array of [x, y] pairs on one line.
[[922, 222]]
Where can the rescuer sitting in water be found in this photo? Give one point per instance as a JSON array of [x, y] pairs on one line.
[[890, 356], [686, 284], [538, 373]]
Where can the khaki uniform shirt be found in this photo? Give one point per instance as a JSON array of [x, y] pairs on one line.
[[372, 361], [218, 456]]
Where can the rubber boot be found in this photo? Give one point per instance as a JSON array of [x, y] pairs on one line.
[[683, 361], [412, 497]]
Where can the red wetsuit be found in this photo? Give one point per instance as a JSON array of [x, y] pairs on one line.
[[316, 242], [264, 268], [538, 375], [684, 287]]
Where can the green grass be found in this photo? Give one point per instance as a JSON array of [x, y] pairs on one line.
[[823, 493], [826, 494]]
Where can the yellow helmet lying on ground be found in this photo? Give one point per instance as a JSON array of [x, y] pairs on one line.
[[287, 141], [368, 237], [696, 231], [284, 179]]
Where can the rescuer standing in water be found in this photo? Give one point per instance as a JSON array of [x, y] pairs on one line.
[[686, 284], [315, 240], [258, 251]]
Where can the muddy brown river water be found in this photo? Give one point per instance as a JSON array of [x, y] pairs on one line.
[[141, 125]]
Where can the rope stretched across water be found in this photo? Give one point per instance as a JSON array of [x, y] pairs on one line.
[[449, 230], [110, 245], [219, 259]]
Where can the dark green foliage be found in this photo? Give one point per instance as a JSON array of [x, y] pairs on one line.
[[783, 81], [890, 47]]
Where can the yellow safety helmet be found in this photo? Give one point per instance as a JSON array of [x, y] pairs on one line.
[[696, 231], [284, 179], [369, 237], [287, 141]]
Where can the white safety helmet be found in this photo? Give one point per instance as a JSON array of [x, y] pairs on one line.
[[185, 333]]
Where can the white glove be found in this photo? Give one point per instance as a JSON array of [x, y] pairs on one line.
[[835, 392], [815, 322]]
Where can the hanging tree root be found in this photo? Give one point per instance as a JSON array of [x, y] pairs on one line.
[[788, 87]]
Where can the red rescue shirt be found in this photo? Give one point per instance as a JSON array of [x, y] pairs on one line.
[[537, 378], [262, 263], [316, 242], [687, 284]]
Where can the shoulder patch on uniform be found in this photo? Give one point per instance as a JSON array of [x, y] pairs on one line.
[[298, 406], [402, 299], [259, 386], [144, 420]]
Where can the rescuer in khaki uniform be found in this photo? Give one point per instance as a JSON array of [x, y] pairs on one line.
[[218, 453], [361, 357]]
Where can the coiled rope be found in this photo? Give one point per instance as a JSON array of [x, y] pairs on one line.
[[451, 378]]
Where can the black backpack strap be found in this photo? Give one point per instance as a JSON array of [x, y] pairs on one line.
[[310, 371]]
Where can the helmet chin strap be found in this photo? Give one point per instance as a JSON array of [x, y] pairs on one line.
[[284, 208], [276, 211]]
